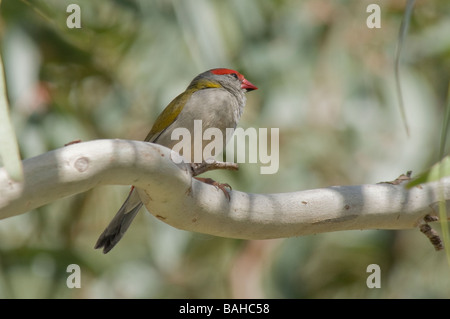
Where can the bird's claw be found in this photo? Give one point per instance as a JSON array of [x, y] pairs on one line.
[[222, 186]]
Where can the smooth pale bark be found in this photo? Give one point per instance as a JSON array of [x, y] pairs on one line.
[[171, 194]]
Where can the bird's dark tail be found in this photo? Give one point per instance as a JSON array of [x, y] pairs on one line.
[[120, 223]]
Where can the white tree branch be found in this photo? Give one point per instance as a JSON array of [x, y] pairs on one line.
[[171, 194]]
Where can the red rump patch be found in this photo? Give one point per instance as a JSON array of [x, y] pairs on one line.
[[227, 71]]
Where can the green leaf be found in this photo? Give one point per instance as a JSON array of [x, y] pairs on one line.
[[436, 172], [401, 38], [9, 150]]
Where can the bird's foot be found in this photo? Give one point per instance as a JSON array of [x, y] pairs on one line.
[[222, 186], [200, 168]]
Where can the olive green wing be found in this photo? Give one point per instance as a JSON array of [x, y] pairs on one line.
[[168, 116], [171, 112]]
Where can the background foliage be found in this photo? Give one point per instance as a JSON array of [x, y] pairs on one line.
[[324, 78]]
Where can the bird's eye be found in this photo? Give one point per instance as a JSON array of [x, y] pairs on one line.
[[234, 75]]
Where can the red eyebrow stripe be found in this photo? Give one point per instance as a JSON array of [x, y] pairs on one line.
[[227, 71]]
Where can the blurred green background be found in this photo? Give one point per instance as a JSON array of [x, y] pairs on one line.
[[325, 79]]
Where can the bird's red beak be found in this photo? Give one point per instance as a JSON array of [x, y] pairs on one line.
[[247, 85]]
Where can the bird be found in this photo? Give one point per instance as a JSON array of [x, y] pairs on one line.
[[217, 98]]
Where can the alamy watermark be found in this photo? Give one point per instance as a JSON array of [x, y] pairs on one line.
[[374, 279], [73, 21], [74, 279], [194, 147]]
